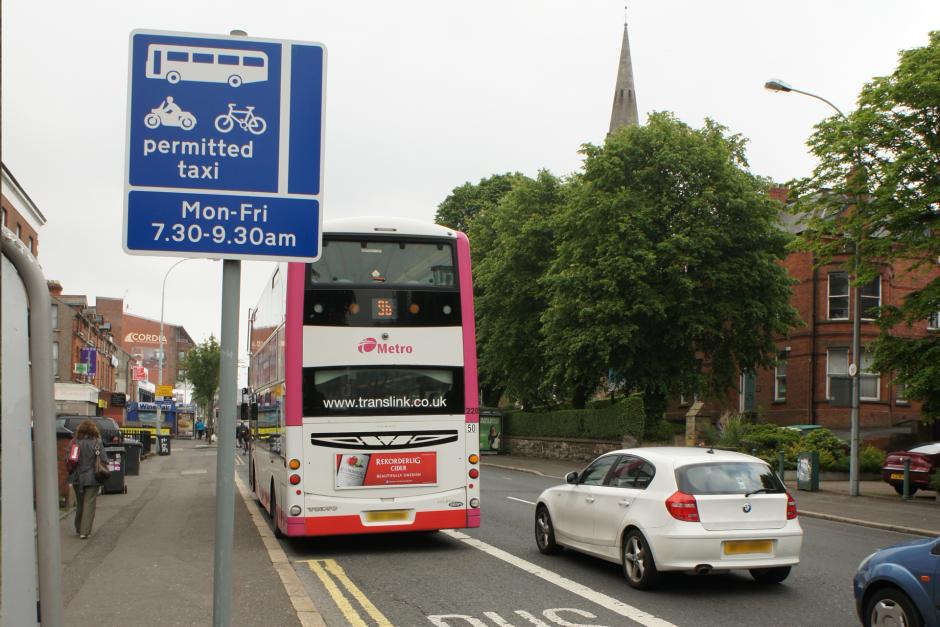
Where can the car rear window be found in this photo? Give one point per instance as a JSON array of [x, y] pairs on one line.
[[727, 478], [927, 449]]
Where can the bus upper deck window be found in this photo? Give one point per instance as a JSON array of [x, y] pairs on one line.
[[172, 55], [228, 59], [253, 61], [201, 57]]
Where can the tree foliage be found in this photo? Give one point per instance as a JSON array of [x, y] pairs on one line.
[[513, 245], [202, 365], [878, 185], [667, 265], [465, 202]]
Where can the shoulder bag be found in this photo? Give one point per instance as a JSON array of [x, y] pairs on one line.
[[102, 472]]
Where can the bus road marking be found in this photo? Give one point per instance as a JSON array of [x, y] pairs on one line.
[[307, 612], [327, 570], [512, 498], [614, 605]]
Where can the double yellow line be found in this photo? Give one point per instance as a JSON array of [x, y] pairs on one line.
[[333, 576]]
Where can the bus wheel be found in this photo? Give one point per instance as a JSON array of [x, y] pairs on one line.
[[273, 512], [172, 77], [234, 80]]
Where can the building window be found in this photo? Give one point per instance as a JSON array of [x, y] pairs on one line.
[[900, 394], [870, 295], [19, 232], [837, 365], [933, 322], [55, 355], [780, 379], [869, 380], [55, 317], [31, 249], [838, 296], [4, 216]]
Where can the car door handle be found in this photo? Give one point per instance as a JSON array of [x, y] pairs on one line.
[[589, 499], [624, 503]]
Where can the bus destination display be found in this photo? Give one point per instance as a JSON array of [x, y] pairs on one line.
[[384, 308]]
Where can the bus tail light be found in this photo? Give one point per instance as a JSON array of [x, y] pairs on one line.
[[474, 473], [295, 510], [294, 464], [294, 479], [474, 502], [474, 458]]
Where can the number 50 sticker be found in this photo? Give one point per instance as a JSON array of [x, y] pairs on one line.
[[471, 427]]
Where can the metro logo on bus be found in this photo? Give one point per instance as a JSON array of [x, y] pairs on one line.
[[370, 344]]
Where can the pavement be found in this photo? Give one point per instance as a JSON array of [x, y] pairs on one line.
[[149, 560], [878, 506]]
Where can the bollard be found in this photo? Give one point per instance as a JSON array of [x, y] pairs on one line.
[[781, 464], [907, 478]]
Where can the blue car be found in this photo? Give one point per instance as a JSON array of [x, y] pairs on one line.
[[900, 585]]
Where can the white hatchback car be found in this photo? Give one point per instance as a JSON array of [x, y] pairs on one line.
[[670, 508]]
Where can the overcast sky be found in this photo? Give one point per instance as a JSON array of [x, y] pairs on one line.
[[421, 97]]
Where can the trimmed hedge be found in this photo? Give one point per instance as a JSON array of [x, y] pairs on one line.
[[612, 422]]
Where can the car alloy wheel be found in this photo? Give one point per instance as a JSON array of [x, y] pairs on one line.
[[638, 564], [545, 533]]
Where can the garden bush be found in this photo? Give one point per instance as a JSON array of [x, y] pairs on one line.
[[612, 422]]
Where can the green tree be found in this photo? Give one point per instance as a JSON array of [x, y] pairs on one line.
[[514, 243], [202, 370], [668, 265], [878, 185], [465, 202]]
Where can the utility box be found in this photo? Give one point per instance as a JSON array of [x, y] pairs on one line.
[[807, 471]]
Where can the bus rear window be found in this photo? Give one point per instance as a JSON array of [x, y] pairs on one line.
[[382, 391], [727, 478], [412, 265]]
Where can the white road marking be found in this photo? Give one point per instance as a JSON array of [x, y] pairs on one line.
[[607, 602], [512, 498]]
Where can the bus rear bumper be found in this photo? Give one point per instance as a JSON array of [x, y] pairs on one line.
[[357, 523]]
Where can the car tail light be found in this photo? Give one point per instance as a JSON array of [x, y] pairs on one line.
[[116, 439], [683, 507], [791, 507], [294, 479], [474, 473]]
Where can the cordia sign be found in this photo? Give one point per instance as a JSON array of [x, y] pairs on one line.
[[143, 337], [370, 344]]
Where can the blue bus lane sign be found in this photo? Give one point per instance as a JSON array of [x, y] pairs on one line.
[[224, 147]]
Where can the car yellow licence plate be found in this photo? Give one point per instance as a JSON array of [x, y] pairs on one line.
[[897, 475], [739, 547], [387, 515]]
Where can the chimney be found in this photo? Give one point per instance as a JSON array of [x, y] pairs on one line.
[[55, 288], [779, 192]]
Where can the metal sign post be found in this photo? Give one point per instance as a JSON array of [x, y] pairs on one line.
[[224, 160]]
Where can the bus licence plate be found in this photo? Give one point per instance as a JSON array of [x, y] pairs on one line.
[[387, 515], [738, 547]]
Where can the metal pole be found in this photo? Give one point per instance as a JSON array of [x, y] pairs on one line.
[[44, 430], [225, 457], [856, 379], [156, 432]]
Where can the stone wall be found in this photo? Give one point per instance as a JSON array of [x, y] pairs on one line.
[[571, 449]]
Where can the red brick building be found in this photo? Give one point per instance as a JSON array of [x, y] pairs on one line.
[[814, 358], [141, 338], [19, 213]]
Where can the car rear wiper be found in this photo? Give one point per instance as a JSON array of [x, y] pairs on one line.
[[762, 490]]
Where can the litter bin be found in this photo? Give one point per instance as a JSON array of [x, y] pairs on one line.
[[132, 457], [163, 445], [115, 483], [807, 471], [144, 442]]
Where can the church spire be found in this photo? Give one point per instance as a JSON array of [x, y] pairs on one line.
[[624, 111]]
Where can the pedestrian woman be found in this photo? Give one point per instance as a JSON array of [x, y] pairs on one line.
[[82, 477]]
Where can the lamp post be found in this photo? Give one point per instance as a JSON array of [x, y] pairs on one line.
[[855, 367], [160, 366]]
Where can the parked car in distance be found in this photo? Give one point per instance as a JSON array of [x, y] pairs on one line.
[[898, 585], [674, 509], [110, 431], [925, 460]]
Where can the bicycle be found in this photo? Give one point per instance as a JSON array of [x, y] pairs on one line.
[[246, 119]]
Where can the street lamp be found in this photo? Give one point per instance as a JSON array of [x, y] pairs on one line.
[[776, 84], [160, 366]]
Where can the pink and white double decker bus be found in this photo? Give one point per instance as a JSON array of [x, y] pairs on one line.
[[364, 373]]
